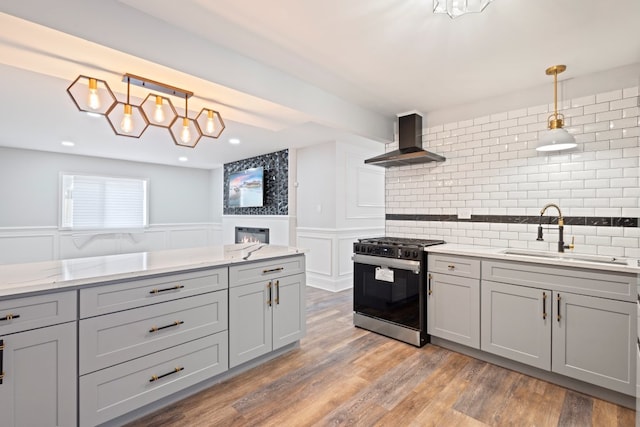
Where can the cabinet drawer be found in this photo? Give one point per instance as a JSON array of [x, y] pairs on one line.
[[136, 293], [20, 314], [606, 284], [118, 337], [114, 391], [265, 270], [454, 264]]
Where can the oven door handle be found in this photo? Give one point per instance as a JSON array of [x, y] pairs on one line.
[[378, 261]]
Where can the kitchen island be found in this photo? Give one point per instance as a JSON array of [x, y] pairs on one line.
[[566, 318], [104, 340]]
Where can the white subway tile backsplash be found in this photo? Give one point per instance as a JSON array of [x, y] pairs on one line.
[[492, 168], [608, 115], [624, 103], [596, 108], [609, 96], [585, 100]]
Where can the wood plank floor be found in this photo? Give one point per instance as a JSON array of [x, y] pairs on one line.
[[342, 375]]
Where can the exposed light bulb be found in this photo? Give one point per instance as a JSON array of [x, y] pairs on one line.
[[94, 99], [211, 125], [158, 114], [127, 121], [185, 135]]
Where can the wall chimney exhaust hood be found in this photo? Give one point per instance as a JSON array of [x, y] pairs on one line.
[[410, 151]]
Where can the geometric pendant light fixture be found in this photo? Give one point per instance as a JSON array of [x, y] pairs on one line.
[[556, 138], [126, 119], [184, 131], [91, 95]]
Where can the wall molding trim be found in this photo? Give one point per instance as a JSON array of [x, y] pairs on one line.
[[329, 264]]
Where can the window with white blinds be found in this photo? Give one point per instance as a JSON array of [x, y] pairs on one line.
[[103, 203]]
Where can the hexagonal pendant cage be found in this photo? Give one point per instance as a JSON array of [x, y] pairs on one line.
[[127, 120], [210, 123], [159, 110], [185, 132], [91, 95]]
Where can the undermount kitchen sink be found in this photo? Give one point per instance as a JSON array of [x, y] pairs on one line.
[[602, 259]]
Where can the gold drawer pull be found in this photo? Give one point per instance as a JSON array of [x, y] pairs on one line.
[[173, 288], [9, 317], [175, 371], [273, 270], [451, 266], [156, 328]]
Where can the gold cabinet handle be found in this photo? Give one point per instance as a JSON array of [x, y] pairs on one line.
[[451, 266], [159, 328], [277, 292], [173, 288], [273, 270], [544, 305], [269, 288], [175, 371], [9, 317], [429, 277], [558, 299]]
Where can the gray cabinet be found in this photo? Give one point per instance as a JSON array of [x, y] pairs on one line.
[[142, 340], [265, 316], [528, 316], [250, 322], [266, 307], [453, 298], [516, 323], [453, 308], [594, 340], [40, 379]]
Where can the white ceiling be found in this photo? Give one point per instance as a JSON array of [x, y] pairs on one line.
[[288, 73]]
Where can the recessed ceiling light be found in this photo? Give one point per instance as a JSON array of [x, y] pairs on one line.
[[182, 159], [234, 141], [68, 143]]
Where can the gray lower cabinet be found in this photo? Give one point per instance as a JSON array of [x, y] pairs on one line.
[[453, 308], [588, 338], [40, 379], [594, 340], [516, 323], [114, 391], [265, 316]]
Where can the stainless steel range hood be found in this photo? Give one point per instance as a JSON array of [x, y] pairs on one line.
[[410, 151]]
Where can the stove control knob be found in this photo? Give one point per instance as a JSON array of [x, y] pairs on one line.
[[415, 254], [407, 253]]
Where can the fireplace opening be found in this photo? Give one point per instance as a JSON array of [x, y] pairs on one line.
[[252, 235]]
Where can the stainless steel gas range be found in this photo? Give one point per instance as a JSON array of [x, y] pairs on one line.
[[389, 287]]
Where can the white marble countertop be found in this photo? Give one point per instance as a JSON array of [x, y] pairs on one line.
[[58, 275], [566, 259]]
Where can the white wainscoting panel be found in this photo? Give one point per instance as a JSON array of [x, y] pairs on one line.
[[151, 240], [33, 244], [21, 247], [320, 255], [329, 264], [180, 239]]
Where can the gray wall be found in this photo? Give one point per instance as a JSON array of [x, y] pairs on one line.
[[29, 187]]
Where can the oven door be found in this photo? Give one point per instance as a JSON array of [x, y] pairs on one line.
[[388, 289]]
